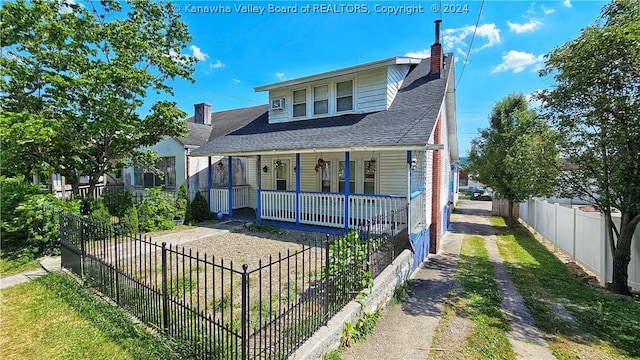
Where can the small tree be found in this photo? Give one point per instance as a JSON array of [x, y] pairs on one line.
[[516, 156], [595, 107], [200, 208]]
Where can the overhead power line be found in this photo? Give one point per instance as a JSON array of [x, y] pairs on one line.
[[466, 59]]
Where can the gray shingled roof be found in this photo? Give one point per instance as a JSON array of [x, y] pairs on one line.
[[408, 121], [222, 123]]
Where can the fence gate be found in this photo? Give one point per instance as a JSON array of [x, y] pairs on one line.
[[71, 244]]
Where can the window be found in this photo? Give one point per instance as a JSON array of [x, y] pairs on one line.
[[325, 180], [321, 100], [148, 179], [300, 103], [370, 176], [344, 96], [342, 176]]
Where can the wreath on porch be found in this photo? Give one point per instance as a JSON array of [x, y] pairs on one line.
[[321, 164], [278, 164], [220, 166], [371, 166]]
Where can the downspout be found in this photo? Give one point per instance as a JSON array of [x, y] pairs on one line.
[[347, 190]]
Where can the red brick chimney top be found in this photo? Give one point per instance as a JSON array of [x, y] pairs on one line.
[[437, 56]]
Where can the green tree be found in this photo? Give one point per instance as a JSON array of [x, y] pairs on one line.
[[74, 79], [516, 155], [595, 106]]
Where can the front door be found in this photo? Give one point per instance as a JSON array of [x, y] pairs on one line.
[[282, 174]]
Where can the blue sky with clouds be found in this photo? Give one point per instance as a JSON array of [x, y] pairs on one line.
[[238, 51]]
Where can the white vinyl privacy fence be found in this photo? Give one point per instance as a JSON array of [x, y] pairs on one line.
[[581, 235]]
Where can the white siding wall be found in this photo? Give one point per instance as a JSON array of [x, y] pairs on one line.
[[395, 77], [166, 148], [308, 174], [371, 90], [428, 182], [393, 173]]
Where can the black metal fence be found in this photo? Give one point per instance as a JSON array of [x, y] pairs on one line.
[[224, 310]]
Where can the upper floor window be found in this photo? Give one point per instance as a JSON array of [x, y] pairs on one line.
[[344, 95], [300, 103], [321, 100]]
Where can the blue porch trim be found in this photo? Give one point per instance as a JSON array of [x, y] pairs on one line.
[[230, 185], [259, 188], [298, 189], [415, 194], [347, 189], [409, 162], [209, 183]]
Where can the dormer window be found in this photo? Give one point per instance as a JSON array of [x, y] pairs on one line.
[[321, 100], [300, 103], [344, 95]]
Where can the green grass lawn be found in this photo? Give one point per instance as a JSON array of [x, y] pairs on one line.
[[606, 325], [478, 301], [55, 318]]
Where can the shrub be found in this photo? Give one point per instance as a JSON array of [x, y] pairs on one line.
[[182, 202], [156, 211], [200, 208], [35, 225], [129, 223]]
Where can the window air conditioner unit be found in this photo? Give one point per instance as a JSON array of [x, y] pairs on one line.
[[277, 104]]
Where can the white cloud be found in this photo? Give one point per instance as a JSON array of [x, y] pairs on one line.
[[422, 54], [177, 57], [280, 76], [197, 53], [66, 6], [458, 37], [566, 3], [518, 61], [216, 65], [521, 28], [531, 9], [546, 10], [236, 80]]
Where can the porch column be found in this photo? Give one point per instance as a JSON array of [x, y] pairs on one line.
[[409, 163], [259, 189], [209, 184], [347, 190], [297, 188], [230, 184]]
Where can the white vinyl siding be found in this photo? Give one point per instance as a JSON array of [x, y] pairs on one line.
[[252, 180], [392, 172], [371, 90], [308, 174], [395, 77]]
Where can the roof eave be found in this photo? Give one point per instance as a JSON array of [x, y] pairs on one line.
[[412, 147], [340, 72]]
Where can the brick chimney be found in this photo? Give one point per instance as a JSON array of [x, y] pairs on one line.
[[437, 60], [202, 114]]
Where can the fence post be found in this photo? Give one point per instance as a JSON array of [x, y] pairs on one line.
[[165, 296], [326, 281], [245, 309], [115, 270], [82, 249]]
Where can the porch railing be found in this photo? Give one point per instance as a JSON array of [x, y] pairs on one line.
[[323, 209], [278, 205], [326, 209], [365, 207], [220, 198], [418, 212]]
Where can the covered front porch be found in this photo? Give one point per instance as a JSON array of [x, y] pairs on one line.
[[339, 190]]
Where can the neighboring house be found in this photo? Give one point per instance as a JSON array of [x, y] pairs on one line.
[[342, 147], [176, 162]]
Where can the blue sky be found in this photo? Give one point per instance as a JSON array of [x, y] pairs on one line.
[[239, 51]]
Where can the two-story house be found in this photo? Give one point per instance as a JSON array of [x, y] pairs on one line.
[[342, 147]]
